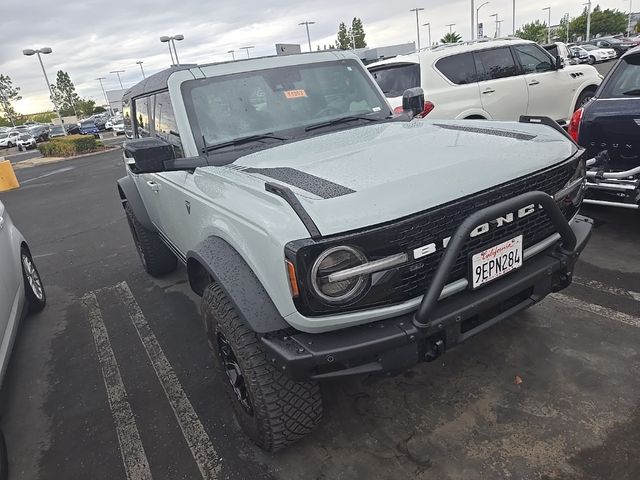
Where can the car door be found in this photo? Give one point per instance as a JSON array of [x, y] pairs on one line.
[[9, 278], [503, 91], [550, 90]]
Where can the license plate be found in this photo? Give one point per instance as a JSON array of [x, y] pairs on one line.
[[496, 261]]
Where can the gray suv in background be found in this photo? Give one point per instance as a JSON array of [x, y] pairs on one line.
[[328, 237]]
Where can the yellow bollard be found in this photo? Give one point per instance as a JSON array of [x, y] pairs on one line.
[[8, 178]]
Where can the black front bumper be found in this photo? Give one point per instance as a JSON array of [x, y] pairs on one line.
[[395, 344]]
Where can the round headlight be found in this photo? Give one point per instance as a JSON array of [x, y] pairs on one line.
[[335, 260]]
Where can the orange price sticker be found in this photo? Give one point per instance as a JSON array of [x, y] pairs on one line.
[[295, 94]]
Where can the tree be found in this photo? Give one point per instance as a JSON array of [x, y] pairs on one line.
[[603, 22], [344, 40], [451, 37], [534, 31], [99, 109], [357, 31], [85, 107], [64, 94], [8, 94]]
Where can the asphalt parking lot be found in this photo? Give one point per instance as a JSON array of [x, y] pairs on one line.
[[116, 347]]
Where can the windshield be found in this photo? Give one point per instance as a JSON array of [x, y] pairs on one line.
[[624, 81], [395, 78], [589, 47], [25, 136], [56, 130], [87, 124], [4, 135], [283, 99]]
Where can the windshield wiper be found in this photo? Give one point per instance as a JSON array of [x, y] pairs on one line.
[[243, 140], [338, 121], [635, 91]]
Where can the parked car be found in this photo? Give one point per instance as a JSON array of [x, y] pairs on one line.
[[26, 141], [72, 128], [108, 125], [620, 46], [56, 131], [88, 127], [39, 132], [495, 79], [118, 126], [560, 49], [579, 54], [9, 139], [22, 290], [598, 54], [611, 123], [314, 224]]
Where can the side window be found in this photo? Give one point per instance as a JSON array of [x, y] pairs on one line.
[[532, 59], [495, 63], [459, 69], [126, 117], [165, 122], [145, 111], [395, 78]]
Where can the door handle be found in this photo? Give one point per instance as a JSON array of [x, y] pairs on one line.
[[153, 186], [534, 82], [489, 90]]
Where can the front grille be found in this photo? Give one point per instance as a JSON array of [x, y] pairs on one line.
[[432, 226]]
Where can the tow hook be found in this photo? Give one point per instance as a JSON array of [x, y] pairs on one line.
[[434, 350]]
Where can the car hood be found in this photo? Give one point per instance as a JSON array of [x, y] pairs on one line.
[[374, 174]]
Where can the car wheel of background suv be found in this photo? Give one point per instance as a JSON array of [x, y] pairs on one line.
[[273, 410], [156, 258], [592, 60], [584, 97]]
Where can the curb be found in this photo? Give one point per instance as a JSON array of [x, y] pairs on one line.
[[36, 162]]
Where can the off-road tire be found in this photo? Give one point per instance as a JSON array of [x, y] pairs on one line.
[[156, 258], [583, 97], [283, 411], [36, 301]]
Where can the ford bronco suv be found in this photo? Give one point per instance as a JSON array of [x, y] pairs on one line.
[[328, 237]]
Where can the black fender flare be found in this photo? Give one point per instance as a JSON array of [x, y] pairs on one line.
[[229, 270], [129, 194]]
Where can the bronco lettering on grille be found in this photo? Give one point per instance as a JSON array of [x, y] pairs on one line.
[[430, 248]]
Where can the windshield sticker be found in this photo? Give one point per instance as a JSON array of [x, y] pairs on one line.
[[295, 94], [376, 109]]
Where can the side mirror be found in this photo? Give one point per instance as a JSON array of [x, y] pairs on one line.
[[147, 155], [413, 100], [559, 63]]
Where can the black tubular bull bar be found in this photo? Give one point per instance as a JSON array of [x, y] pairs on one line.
[[455, 245]]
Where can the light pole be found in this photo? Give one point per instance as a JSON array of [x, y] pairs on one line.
[[514, 17], [306, 24], [428, 25], [629, 25], [589, 20], [450, 25], [417, 10], [171, 40], [548, 24], [478, 14], [499, 22], [106, 99], [495, 15], [118, 72], [472, 19], [45, 51], [140, 62], [246, 49], [233, 54]]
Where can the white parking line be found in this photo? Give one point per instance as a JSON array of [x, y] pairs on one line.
[[598, 310], [133, 455], [194, 433], [594, 284], [59, 170]]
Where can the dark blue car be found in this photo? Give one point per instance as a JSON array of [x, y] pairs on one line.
[[609, 127], [87, 127]]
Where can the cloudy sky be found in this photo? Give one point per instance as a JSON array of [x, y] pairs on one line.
[[90, 38]]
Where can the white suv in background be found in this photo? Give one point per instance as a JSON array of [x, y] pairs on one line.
[[488, 79]]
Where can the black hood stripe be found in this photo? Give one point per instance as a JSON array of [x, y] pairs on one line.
[[488, 131], [310, 183]]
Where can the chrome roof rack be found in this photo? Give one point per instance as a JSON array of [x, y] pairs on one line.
[[468, 42]]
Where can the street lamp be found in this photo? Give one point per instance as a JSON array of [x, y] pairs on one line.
[[140, 62], [495, 15], [247, 49], [450, 25], [171, 40], [514, 17], [548, 24], [118, 72], [233, 54], [417, 10], [499, 22], [106, 99], [45, 51], [629, 25], [588, 5], [428, 25], [306, 24], [478, 15]]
